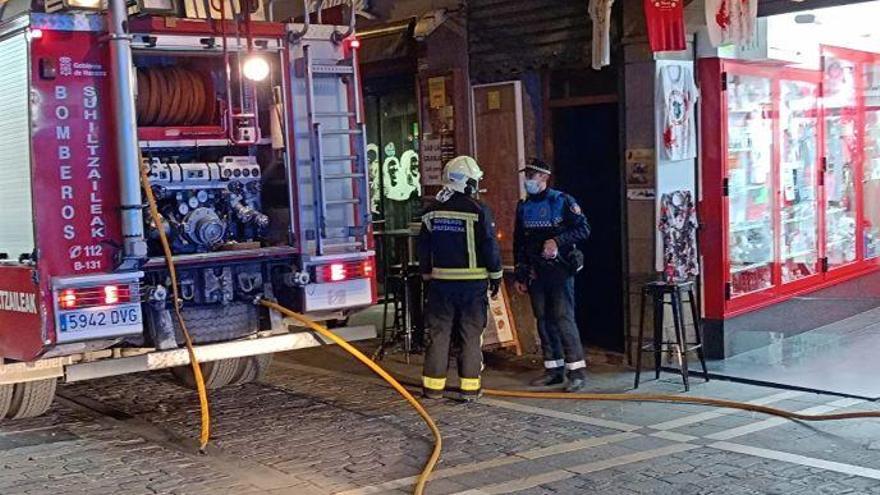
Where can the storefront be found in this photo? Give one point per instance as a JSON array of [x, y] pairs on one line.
[[388, 65], [415, 81], [790, 181]]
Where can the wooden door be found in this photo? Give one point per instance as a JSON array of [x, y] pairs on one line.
[[498, 139]]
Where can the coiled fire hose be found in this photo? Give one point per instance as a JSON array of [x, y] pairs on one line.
[[169, 96], [205, 434], [666, 398]]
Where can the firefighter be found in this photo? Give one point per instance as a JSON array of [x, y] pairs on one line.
[[549, 224], [459, 259]]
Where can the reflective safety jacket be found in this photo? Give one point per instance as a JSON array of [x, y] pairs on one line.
[[550, 214], [457, 241]]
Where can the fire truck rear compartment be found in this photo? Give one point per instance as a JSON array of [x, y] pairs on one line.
[[215, 177], [213, 184], [228, 189]]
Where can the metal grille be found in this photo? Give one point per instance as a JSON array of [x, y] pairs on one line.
[[16, 206]]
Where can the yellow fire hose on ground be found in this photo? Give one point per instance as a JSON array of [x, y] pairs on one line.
[[435, 455], [438, 440], [205, 434]]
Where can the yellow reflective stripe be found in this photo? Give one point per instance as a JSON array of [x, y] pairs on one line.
[[459, 277], [470, 384], [462, 270], [459, 274], [496, 275], [434, 383], [471, 245], [455, 215]]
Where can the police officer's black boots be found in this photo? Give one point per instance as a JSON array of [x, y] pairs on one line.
[[577, 381], [551, 376]]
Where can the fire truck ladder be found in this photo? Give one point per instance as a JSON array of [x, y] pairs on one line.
[[322, 137]]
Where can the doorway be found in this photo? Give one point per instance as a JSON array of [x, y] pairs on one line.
[[500, 151], [587, 166]]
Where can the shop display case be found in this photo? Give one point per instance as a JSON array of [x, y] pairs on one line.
[[851, 81], [790, 175], [761, 184]]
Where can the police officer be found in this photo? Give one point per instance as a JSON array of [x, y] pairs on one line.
[[549, 224], [460, 259]]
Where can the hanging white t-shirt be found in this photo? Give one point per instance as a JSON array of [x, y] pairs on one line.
[[731, 21], [676, 100], [600, 14]]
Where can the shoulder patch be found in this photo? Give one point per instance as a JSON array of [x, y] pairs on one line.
[[576, 209]]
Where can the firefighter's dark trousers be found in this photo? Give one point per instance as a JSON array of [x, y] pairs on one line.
[[553, 305], [460, 307]]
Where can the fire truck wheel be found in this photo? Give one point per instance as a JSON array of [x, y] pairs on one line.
[[337, 322], [31, 399], [209, 324], [252, 368], [216, 373], [5, 399]]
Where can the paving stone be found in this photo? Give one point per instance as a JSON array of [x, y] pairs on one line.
[[316, 433]]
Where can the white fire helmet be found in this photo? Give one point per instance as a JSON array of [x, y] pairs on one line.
[[459, 171]]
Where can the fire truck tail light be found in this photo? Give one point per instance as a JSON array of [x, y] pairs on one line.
[[339, 272], [68, 299], [111, 294], [106, 295]]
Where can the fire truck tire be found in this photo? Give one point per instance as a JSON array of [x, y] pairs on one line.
[[6, 392], [252, 368], [337, 322], [31, 399], [208, 324], [216, 373]]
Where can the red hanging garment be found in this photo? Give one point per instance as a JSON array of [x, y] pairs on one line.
[[665, 20]]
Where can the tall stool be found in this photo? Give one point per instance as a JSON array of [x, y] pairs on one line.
[[399, 281], [658, 292]]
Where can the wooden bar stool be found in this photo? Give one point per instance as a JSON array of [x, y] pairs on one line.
[[658, 292]]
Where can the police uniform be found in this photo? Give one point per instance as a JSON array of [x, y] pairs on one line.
[[552, 214], [459, 254]]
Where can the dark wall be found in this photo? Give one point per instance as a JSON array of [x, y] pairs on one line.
[[514, 36], [587, 166]]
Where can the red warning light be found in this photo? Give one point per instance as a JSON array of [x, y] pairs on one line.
[[111, 294], [337, 272], [68, 299]]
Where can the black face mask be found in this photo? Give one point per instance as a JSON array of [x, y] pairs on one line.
[[472, 187]]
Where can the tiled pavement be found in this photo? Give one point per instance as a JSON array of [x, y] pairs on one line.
[[320, 425]]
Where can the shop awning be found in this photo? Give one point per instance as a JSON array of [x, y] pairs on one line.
[[388, 48]]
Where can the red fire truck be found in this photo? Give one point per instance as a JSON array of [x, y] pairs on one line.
[[252, 136]]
